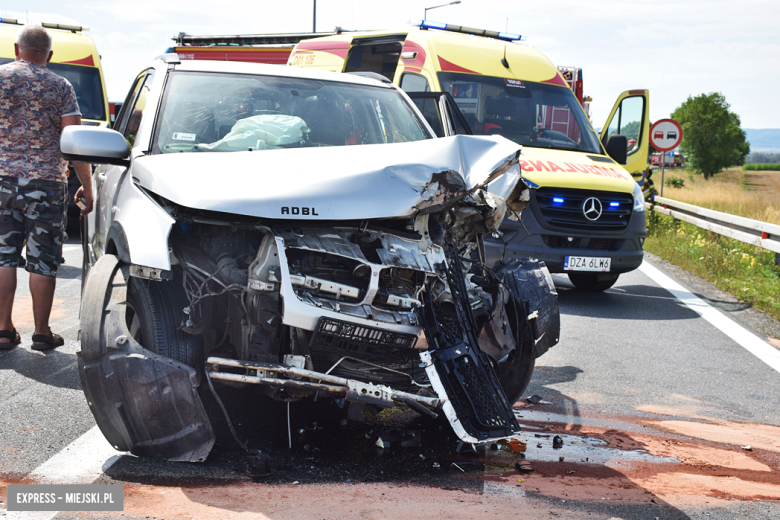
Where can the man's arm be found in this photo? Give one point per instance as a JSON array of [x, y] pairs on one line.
[[83, 172]]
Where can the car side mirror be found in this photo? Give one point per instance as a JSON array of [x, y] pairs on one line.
[[617, 148], [95, 145]]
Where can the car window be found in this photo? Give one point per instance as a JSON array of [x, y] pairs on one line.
[[414, 83], [627, 121], [135, 114], [203, 112]]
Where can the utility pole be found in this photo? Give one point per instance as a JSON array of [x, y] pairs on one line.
[[314, 22]]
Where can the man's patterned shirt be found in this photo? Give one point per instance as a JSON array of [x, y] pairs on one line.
[[33, 101]]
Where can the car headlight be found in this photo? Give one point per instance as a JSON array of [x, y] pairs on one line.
[[639, 198]]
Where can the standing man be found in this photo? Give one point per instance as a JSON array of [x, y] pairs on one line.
[[35, 105]]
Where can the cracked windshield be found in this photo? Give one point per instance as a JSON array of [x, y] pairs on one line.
[[230, 113]]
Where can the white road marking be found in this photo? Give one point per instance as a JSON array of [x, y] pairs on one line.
[[746, 339], [70, 248], [80, 462]]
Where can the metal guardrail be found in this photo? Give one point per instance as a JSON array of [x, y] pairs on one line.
[[754, 232]]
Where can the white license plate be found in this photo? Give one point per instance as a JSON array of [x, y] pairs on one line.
[[587, 263]]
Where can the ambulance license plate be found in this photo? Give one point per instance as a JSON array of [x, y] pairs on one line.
[[587, 263]]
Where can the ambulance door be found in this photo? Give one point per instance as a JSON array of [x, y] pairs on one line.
[[441, 112], [378, 54], [630, 117]]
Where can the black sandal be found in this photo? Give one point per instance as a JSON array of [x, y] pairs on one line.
[[47, 341], [13, 339]]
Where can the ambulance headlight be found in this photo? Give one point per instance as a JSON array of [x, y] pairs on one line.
[[639, 199]]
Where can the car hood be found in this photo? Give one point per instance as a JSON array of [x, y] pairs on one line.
[[334, 183], [545, 168]]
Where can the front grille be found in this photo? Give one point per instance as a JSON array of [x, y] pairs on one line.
[[601, 244], [334, 339], [562, 209]]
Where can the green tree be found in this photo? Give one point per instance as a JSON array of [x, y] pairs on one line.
[[713, 138]]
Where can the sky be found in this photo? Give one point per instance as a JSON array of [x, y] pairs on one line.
[[676, 49]]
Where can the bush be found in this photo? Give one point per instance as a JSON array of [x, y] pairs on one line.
[[763, 167], [675, 182]]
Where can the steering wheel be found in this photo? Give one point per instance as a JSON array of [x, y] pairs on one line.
[[546, 133]]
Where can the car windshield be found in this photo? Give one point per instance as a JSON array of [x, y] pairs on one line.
[[531, 114], [86, 82], [214, 112]]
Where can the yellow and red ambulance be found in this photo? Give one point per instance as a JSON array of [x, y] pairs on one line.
[[585, 216], [76, 58]]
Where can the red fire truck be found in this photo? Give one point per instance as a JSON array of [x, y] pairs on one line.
[[257, 48]]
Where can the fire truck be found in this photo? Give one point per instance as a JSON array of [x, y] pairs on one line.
[[256, 48]]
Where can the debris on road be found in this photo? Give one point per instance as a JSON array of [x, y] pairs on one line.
[[523, 466], [534, 399], [258, 464], [746, 448], [517, 446], [557, 442], [403, 438]]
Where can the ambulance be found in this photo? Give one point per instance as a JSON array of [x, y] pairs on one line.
[[585, 216], [76, 59]]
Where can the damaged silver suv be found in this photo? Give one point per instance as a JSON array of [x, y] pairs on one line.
[[306, 233]]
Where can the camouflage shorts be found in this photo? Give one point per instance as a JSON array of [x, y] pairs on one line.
[[32, 210]]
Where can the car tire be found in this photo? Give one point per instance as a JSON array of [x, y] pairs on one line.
[[593, 281], [154, 316]]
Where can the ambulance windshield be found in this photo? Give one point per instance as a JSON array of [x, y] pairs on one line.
[[532, 114]]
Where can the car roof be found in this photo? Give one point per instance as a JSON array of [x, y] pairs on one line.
[[265, 69]]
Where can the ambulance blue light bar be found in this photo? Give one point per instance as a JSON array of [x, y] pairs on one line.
[[557, 200], [428, 24], [614, 204]]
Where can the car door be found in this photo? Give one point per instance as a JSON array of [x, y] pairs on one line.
[[441, 112], [630, 117], [107, 178]]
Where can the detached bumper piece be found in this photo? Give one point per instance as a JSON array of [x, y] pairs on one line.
[[144, 403], [532, 287], [459, 371]]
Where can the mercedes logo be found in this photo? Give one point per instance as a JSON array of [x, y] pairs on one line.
[[591, 208]]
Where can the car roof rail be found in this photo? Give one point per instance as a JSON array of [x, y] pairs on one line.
[[372, 75]]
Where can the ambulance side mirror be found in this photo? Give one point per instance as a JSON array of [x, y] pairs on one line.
[[617, 148]]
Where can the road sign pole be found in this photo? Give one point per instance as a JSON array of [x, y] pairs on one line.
[[663, 160]]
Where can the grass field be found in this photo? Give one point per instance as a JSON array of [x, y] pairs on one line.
[[750, 194], [763, 167], [746, 271]]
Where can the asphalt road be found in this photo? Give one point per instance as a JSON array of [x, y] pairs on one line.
[[662, 414]]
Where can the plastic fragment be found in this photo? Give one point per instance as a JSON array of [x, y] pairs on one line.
[[517, 446], [746, 448], [570, 472], [534, 399]]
